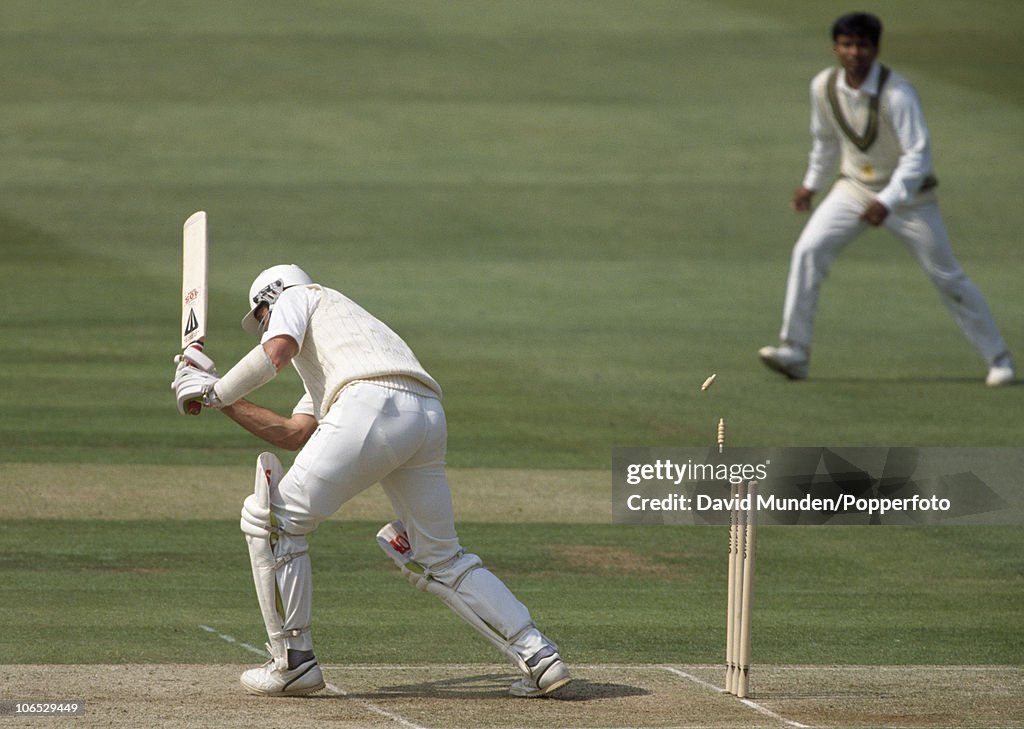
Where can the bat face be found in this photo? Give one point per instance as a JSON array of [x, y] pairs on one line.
[[193, 280]]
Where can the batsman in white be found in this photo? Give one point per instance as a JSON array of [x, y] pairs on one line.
[[867, 121], [370, 414]]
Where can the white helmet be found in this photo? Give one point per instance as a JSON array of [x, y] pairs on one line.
[[268, 286]]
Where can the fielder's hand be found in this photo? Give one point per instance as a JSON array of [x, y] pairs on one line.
[[194, 385], [801, 201], [875, 213]]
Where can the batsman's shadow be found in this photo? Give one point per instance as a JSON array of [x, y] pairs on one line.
[[489, 686]]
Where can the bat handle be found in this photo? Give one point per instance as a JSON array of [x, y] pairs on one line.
[[195, 407]]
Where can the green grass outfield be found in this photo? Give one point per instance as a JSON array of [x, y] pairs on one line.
[[575, 212], [139, 592]]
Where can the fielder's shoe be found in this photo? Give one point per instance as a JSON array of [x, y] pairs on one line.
[[547, 674], [305, 678], [1001, 372], [787, 359]]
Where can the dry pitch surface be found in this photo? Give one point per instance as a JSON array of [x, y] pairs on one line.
[[471, 696], [457, 697]]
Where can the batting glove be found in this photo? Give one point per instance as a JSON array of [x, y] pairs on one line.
[[192, 385], [193, 356]]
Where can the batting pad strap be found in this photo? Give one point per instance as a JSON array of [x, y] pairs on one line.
[[487, 605], [252, 371]]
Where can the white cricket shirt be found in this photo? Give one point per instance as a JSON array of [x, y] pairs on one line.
[[898, 161], [340, 343]]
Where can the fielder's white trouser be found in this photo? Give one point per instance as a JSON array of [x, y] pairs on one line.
[[374, 434], [836, 221]]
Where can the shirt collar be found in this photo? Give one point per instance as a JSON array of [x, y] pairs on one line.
[[870, 85]]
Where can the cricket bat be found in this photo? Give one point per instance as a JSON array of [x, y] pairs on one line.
[[193, 289]]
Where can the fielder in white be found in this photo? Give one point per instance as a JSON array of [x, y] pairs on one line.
[[867, 121], [370, 414]]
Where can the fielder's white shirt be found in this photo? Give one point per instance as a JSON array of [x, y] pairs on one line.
[[899, 161], [340, 343]]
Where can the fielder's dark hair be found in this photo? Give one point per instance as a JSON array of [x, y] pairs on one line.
[[864, 25]]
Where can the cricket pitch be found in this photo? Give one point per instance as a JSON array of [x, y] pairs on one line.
[[475, 696]]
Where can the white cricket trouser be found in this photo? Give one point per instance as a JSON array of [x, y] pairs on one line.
[[836, 221], [372, 434]]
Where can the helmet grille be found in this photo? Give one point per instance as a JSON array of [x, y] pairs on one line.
[[269, 293]]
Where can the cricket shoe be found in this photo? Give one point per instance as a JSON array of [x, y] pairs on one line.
[[547, 674], [1001, 372], [787, 359], [266, 680]]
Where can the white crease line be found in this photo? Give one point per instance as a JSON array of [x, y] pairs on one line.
[[752, 704], [330, 686], [374, 708], [230, 639]]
